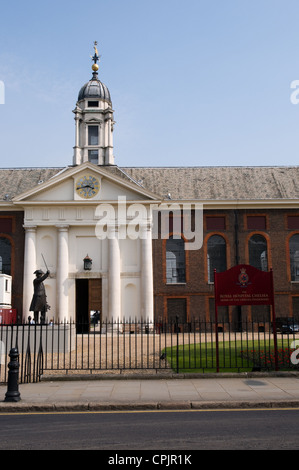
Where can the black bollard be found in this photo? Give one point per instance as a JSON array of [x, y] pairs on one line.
[[13, 394]]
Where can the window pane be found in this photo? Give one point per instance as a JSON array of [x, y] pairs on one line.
[[93, 135], [293, 222], [295, 302], [176, 308], [215, 223], [5, 255], [256, 222], [260, 313], [258, 252], [223, 315], [93, 156], [6, 225], [216, 256], [175, 261], [294, 257], [93, 104]]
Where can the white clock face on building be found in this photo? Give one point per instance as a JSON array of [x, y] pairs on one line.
[[87, 186]]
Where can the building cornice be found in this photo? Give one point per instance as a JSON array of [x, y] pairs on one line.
[[207, 204]]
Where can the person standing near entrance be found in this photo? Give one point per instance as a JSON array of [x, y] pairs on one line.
[[39, 299]]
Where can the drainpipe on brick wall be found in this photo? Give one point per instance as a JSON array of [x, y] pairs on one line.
[[237, 261]]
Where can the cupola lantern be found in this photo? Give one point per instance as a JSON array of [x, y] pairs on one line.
[[94, 121]]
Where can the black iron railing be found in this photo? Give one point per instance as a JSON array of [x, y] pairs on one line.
[[197, 346]]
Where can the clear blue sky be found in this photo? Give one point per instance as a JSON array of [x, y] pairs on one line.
[[193, 82]]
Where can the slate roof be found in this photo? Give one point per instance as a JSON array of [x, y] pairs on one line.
[[185, 183], [94, 89], [220, 183], [15, 181]]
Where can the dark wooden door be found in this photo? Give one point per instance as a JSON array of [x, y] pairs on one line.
[[82, 316], [88, 299], [95, 300]]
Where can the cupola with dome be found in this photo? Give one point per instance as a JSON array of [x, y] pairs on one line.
[[94, 121]]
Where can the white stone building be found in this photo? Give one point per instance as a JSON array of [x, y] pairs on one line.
[[62, 222]]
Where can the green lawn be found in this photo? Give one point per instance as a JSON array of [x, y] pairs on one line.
[[238, 356]]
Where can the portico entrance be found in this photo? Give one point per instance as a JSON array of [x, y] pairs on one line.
[[88, 303]]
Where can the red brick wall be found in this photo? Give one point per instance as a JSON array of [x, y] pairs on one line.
[[198, 291], [11, 227]]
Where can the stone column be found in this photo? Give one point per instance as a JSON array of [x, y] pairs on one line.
[[109, 160], [77, 120], [102, 144], [76, 160], [85, 144], [114, 287], [29, 268], [62, 284], [147, 291]]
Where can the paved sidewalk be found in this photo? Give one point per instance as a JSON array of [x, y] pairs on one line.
[[155, 393]]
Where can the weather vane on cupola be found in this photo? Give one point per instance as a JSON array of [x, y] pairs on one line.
[[95, 58]]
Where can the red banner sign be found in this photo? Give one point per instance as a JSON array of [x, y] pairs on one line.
[[243, 285], [8, 316]]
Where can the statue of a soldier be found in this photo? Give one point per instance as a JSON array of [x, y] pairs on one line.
[[39, 299]]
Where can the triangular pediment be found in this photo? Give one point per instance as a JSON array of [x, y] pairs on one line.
[[86, 183]]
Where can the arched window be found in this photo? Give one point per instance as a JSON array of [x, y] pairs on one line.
[[294, 257], [5, 256], [216, 255], [175, 261], [258, 258]]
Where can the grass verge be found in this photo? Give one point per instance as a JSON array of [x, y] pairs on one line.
[[233, 357]]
